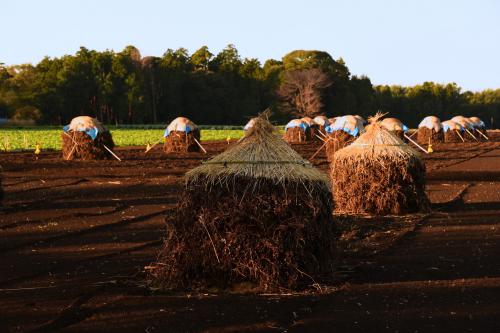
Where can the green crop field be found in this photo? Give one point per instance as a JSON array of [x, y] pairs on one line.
[[50, 138]]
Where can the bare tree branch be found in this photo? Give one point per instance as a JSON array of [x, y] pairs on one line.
[[301, 91]]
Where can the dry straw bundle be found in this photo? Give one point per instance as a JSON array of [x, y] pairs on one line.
[[378, 174], [256, 213], [85, 138], [182, 135]]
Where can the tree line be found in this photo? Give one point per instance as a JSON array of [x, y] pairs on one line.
[[224, 88]]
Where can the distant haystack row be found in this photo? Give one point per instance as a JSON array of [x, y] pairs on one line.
[[86, 138], [462, 129], [457, 129], [305, 129]]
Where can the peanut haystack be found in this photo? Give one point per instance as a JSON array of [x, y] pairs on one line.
[[378, 174], [256, 213]]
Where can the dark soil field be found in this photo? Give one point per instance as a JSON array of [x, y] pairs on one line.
[[75, 238]]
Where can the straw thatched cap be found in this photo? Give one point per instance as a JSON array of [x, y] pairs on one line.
[[477, 122], [180, 124], [393, 124], [451, 125], [376, 142], [308, 120], [431, 122], [261, 154], [463, 121], [85, 123], [321, 120]]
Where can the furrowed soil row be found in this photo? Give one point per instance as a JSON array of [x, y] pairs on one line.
[[436, 273]]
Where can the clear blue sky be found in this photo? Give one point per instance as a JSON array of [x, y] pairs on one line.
[[392, 42]]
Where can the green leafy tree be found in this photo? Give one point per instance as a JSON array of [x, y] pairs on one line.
[[201, 59], [227, 60]]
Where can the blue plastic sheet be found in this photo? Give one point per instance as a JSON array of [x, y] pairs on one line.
[[92, 132], [481, 124], [340, 127], [291, 124], [167, 132], [446, 128]]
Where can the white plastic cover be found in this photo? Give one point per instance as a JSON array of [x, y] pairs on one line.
[[431, 122]]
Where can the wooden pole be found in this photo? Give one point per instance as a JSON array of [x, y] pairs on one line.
[[416, 144], [71, 152], [471, 134], [482, 134], [199, 144], [154, 144], [319, 149], [320, 137], [112, 153], [460, 135]]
